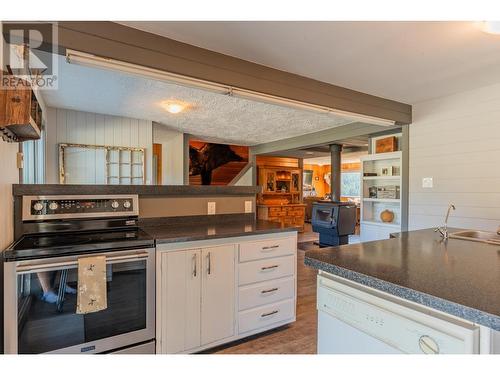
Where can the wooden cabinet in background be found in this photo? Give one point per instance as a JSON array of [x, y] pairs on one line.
[[289, 214], [281, 181]]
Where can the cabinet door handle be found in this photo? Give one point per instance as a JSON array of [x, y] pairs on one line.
[[269, 267], [269, 290], [194, 268], [269, 313], [264, 248], [209, 264]]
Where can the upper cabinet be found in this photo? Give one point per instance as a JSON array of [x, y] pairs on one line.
[[280, 183], [20, 113]]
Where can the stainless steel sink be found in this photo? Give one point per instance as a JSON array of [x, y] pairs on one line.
[[477, 235]]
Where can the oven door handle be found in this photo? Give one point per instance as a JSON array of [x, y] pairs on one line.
[[28, 268]]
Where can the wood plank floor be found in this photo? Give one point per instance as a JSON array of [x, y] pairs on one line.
[[296, 338]]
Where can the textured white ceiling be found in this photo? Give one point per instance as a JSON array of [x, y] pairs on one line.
[[404, 61], [211, 116]]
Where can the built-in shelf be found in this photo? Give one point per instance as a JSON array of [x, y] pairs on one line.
[[385, 180], [382, 200], [367, 178], [381, 223]]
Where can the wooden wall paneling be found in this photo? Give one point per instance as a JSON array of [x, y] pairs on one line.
[[274, 161], [351, 167]]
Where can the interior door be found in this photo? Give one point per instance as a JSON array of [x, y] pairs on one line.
[[180, 310], [217, 298]]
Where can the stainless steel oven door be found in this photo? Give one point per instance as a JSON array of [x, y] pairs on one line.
[[37, 324]]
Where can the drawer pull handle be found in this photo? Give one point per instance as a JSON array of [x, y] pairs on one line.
[[269, 267], [270, 247], [269, 313], [269, 290], [195, 271]]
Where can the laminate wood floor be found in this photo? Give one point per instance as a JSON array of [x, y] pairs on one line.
[[296, 338]]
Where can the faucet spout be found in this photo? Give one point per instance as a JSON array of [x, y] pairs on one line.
[[443, 231], [448, 214]]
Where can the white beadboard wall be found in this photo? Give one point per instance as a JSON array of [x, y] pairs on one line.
[[68, 126], [9, 176], [456, 141]]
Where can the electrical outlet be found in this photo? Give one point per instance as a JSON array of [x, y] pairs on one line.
[[427, 183], [248, 207], [211, 208]]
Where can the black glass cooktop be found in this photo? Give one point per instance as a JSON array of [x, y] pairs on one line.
[[52, 245]]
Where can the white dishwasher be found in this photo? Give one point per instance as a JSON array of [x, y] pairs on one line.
[[353, 319]]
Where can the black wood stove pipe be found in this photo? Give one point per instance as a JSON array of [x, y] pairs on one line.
[[335, 152]]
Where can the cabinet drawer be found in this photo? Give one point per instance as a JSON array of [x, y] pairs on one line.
[[266, 292], [267, 249], [297, 212], [274, 211], [267, 269], [275, 219], [266, 315]]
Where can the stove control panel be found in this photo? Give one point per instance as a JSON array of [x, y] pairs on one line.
[[85, 206]]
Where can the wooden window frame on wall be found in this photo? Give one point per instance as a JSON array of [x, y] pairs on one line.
[[63, 146]]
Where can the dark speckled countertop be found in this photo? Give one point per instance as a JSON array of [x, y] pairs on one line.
[[185, 231], [458, 277]]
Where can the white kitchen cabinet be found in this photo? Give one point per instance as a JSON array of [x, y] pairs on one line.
[[217, 297], [180, 287], [211, 292], [197, 297]]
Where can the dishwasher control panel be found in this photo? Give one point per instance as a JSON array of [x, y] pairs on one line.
[[401, 327]]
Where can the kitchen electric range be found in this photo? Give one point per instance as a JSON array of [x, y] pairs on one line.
[[41, 277]]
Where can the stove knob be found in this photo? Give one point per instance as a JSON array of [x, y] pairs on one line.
[[38, 206], [53, 206], [127, 204], [115, 204]]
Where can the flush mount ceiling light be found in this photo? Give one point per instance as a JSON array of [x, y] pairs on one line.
[[174, 106], [491, 27], [86, 59]]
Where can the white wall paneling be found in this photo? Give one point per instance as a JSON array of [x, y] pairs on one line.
[[9, 176], [456, 141], [172, 154], [68, 126]]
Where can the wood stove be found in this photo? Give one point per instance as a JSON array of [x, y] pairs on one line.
[[334, 221]]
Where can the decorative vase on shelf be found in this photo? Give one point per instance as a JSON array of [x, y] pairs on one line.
[[387, 216]]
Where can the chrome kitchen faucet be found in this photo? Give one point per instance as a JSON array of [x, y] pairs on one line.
[[443, 231]]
